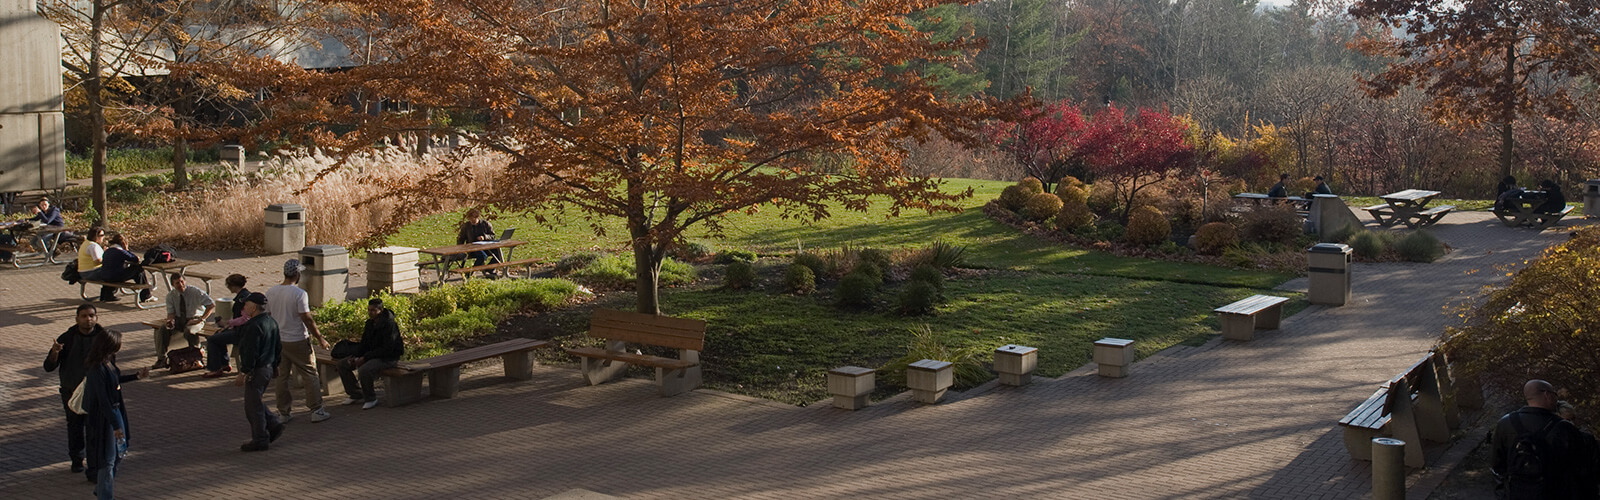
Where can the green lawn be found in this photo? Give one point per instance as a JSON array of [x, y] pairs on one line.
[[989, 244]]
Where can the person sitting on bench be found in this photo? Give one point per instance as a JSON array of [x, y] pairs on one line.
[[1281, 189], [477, 229], [227, 334], [117, 265], [1507, 193], [380, 349], [187, 309], [1554, 200]]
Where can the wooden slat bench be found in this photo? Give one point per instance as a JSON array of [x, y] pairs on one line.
[[403, 384], [673, 376], [203, 277], [1409, 407], [526, 264], [1241, 319], [124, 288], [1429, 217]]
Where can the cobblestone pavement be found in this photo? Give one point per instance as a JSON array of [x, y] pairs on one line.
[[1223, 419]]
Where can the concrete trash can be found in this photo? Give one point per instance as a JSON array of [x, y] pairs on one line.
[[232, 156], [1330, 273], [286, 228], [327, 273], [1591, 198]]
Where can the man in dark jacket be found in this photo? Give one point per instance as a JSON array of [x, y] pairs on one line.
[[66, 359], [259, 350], [1554, 455], [380, 348]]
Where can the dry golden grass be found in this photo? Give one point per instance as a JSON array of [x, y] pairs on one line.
[[229, 215]]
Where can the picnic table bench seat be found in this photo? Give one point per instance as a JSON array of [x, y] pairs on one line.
[[673, 375], [403, 384], [1529, 217], [527, 264], [1241, 319], [125, 288]]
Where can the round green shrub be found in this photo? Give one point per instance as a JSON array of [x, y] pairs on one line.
[[692, 252], [870, 270], [876, 257], [811, 261], [1279, 224], [1070, 181], [739, 275], [1014, 197], [731, 255], [1032, 185], [857, 289], [1368, 244], [1107, 230], [1074, 215], [575, 262], [1070, 193], [928, 274], [799, 279], [1216, 237], [1146, 226], [1420, 246], [435, 302], [1042, 206], [918, 297]]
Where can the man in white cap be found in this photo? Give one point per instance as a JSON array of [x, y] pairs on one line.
[[290, 305]]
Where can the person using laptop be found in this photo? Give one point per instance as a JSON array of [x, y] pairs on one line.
[[476, 229]]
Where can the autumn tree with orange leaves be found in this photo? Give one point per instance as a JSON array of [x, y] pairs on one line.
[[666, 114], [1482, 61]]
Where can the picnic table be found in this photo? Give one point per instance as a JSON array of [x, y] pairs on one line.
[[1258, 199], [1524, 211], [24, 231], [444, 255], [1409, 207], [162, 271]]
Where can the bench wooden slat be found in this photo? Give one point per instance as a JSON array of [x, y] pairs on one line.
[[631, 358], [1369, 412], [1381, 206], [129, 286], [1437, 210], [475, 354], [665, 331], [1251, 305]]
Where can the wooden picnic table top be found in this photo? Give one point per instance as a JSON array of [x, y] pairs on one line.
[[177, 265], [471, 247], [1259, 196], [1410, 195], [28, 226]]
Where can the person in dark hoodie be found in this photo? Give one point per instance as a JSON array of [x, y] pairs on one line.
[[259, 352], [381, 348], [67, 358], [105, 415]]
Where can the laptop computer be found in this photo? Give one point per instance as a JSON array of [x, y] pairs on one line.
[[507, 234]]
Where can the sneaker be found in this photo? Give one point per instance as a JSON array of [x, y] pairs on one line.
[[284, 417], [353, 401], [77, 465], [370, 405], [253, 446], [274, 432], [320, 415]]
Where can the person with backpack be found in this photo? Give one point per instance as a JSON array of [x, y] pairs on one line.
[[1538, 454]]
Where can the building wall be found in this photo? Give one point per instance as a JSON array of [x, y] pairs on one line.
[[32, 141]]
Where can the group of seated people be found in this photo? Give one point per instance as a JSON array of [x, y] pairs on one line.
[[108, 261], [1508, 196]]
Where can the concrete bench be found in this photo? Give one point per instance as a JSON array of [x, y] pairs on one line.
[[1241, 319], [403, 384], [673, 375], [929, 380], [1409, 407], [850, 386]]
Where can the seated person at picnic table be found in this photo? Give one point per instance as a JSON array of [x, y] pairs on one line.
[[116, 266], [89, 255], [1279, 190], [477, 229], [380, 348], [1554, 200], [187, 309], [43, 215], [1322, 186], [217, 345], [1506, 193]]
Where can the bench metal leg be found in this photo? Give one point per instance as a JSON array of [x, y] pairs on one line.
[[1238, 326], [675, 382], [1270, 318], [402, 390], [444, 382], [518, 365]]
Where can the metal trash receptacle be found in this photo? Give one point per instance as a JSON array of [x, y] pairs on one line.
[[1329, 273], [285, 228]]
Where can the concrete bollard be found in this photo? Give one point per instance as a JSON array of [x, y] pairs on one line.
[[850, 386], [1015, 364], [1114, 356], [929, 380], [1388, 469], [327, 274]]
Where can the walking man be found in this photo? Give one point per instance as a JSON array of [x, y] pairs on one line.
[[1538, 454], [259, 350], [66, 358], [291, 307]]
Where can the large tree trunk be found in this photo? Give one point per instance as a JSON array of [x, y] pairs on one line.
[[180, 162], [97, 117], [1509, 112], [647, 270]]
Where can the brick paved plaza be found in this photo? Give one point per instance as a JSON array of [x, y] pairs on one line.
[[1224, 419]]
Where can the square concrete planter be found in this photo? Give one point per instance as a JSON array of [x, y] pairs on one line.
[[1015, 364], [929, 380], [1114, 356], [850, 386]]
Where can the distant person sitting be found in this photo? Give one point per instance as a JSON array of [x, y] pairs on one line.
[[475, 229], [380, 349], [1506, 193], [1322, 186], [116, 266], [1554, 200], [1281, 189], [228, 331]]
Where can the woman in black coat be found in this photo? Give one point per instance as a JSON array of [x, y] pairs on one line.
[[106, 426]]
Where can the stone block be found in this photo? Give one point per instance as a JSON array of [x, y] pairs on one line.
[[929, 380], [1114, 356], [850, 386], [1015, 364]]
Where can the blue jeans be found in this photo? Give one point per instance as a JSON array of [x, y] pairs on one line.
[[481, 255], [217, 349]]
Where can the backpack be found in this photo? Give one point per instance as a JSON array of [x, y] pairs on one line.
[[1530, 463], [159, 254]]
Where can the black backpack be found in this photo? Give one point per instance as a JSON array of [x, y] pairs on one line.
[[159, 254], [1530, 462]]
